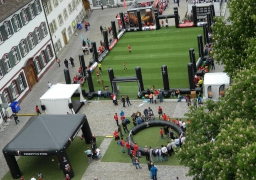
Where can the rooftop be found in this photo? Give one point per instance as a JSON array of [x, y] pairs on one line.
[[10, 7]]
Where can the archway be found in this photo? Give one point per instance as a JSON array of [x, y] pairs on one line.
[[30, 73]]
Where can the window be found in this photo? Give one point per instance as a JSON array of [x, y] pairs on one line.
[[22, 87], [16, 22], [23, 48], [7, 97], [55, 3], [1, 38], [60, 20], [98, 2], [37, 64], [25, 16], [44, 29], [38, 9], [43, 58], [31, 40], [69, 31], [65, 14], [31, 11], [15, 92], [8, 29], [38, 35], [54, 25], [7, 62], [15, 55], [70, 9], [58, 46], [49, 51], [74, 4]]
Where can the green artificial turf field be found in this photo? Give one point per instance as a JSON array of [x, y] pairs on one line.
[[149, 137], [31, 165], [151, 50]]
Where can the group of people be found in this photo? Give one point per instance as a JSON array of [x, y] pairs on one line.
[[86, 45], [153, 95]]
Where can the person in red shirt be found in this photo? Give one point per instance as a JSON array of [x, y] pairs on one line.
[[136, 148], [37, 110], [129, 49], [116, 119], [164, 117], [173, 121], [116, 135], [161, 133], [160, 111], [162, 22], [128, 147]]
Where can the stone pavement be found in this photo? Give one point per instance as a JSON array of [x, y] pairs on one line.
[[99, 113]]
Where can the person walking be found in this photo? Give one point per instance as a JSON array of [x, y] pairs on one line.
[[89, 155], [72, 62], [15, 117], [88, 42], [153, 171], [128, 100], [66, 63], [116, 119], [37, 110], [58, 61], [124, 64]]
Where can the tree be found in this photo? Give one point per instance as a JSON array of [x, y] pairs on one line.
[[233, 40], [231, 122]]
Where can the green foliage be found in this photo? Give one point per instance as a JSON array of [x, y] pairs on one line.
[[231, 122], [233, 41]]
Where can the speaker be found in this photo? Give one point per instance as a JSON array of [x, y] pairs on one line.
[[70, 105], [43, 107]]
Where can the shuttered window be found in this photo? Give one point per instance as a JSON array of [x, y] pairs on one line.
[[25, 16], [38, 35], [23, 48], [7, 96], [8, 29], [44, 30], [16, 22], [38, 7], [15, 55], [15, 92], [7, 63], [1, 38]]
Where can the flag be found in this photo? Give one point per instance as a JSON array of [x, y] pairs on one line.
[[125, 4]]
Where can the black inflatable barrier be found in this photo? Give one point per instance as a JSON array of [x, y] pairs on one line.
[[149, 124]]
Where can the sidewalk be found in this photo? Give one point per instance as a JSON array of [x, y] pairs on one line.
[[104, 109]]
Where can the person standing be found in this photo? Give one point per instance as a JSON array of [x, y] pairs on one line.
[[49, 85], [67, 177], [128, 147], [116, 119], [101, 6], [128, 100], [151, 155], [146, 150], [122, 144], [89, 155], [99, 94], [154, 98], [72, 62], [100, 67], [166, 24], [120, 130], [124, 64], [151, 98], [40, 176], [66, 63], [37, 110], [153, 171], [137, 163], [125, 127], [129, 49], [58, 61], [101, 29], [136, 148], [88, 42], [161, 133], [123, 101], [15, 117], [160, 95]]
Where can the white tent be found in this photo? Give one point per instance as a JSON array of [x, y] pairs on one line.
[[215, 82], [56, 100]]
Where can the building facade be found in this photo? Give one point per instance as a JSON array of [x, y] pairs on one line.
[[63, 17], [26, 51]]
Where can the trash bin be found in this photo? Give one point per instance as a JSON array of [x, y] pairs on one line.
[[15, 106]]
